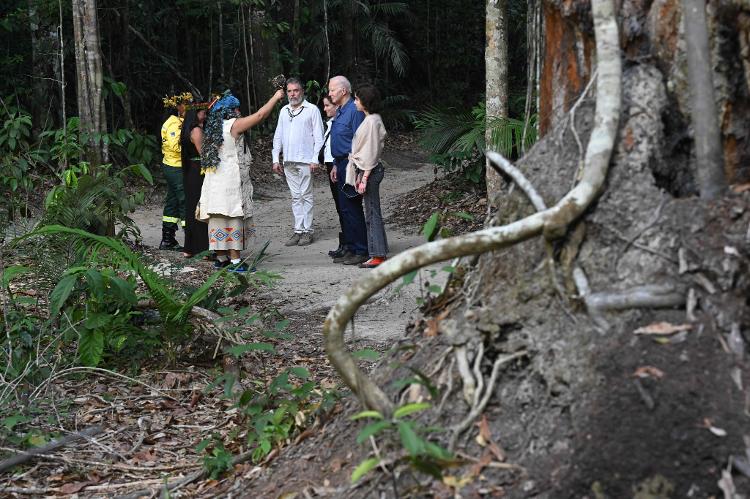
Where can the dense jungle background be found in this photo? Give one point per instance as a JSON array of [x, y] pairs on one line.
[[581, 317]]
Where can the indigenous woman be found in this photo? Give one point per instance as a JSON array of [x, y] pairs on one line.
[[191, 139], [174, 203], [365, 171], [226, 201]]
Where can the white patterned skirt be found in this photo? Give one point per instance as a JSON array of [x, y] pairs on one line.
[[229, 233]]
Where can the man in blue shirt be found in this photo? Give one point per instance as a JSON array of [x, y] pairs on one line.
[[343, 128]]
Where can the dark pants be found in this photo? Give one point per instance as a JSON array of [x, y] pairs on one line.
[[354, 228], [335, 194], [377, 243], [196, 233], [174, 204]]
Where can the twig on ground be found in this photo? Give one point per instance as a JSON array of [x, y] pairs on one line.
[[641, 231], [469, 383], [24, 456], [97, 370]]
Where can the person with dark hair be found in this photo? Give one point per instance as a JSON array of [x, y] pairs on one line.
[[191, 140], [174, 204], [299, 138], [226, 202], [347, 120], [329, 108], [365, 171]]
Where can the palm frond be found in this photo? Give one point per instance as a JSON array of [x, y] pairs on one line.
[[385, 44]]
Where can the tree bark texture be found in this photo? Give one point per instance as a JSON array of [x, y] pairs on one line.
[[496, 71], [89, 74], [655, 30], [706, 134]]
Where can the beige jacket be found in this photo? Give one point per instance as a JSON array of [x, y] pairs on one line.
[[367, 147]]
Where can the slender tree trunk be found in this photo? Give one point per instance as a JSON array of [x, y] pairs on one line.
[[61, 69], [530, 69], [328, 43], [89, 75], [708, 150], [496, 68], [296, 38], [252, 55], [248, 70], [348, 21], [221, 44]]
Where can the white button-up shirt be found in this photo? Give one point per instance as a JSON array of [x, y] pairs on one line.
[[299, 134]]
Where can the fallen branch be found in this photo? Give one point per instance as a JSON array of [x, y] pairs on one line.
[[552, 223], [24, 456]]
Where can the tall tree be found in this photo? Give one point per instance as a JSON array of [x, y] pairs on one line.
[[496, 69], [89, 76]]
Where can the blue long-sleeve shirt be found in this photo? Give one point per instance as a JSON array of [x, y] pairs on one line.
[[346, 123]]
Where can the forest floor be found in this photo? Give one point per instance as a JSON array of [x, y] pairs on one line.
[[154, 417]]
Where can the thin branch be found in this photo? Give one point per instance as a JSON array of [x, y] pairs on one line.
[[24, 456]]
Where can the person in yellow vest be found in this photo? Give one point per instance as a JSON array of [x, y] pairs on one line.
[[174, 204]]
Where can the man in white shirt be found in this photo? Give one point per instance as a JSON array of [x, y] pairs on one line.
[[298, 138]]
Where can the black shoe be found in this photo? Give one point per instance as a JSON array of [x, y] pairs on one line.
[[355, 259], [338, 252], [218, 264], [168, 241], [343, 256]]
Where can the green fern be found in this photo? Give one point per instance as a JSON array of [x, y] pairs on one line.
[[169, 308]]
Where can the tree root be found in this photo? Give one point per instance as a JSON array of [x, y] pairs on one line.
[[478, 408], [552, 222], [24, 456], [646, 296]]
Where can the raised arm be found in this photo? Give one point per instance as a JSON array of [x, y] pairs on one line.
[[241, 125]]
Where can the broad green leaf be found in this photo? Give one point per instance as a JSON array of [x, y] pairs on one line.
[[366, 353], [408, 279], [409, 439], [60, 294], [91, 347], [11, 421], [11, 272], [249, 347], [372, 429], [201, 446], [407, 409], [430, 227], [364, 467], [300, 372], [366, 414], [437, 452], [463, 215]]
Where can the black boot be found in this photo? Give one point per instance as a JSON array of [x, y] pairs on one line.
[[340, 250], [168, 241]]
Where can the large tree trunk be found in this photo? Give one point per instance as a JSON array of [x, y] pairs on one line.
[[496, 70], [89, 76], [543, 327]]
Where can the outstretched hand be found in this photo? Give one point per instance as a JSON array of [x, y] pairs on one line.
[[280, 94]]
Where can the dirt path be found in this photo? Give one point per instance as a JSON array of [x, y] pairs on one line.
[[311, 281]]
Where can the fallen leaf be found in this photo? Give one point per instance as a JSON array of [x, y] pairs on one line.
[[738, 188], [73, 488], [145, 456], [456, 483], [719, 432], [663, 328], [477, 468], [649, 372], [336, 465]]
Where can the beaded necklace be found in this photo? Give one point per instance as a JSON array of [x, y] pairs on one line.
[[293, 115]]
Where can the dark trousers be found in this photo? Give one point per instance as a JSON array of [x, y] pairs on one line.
[[335, 194], [174, 204], [377, 243], [354, 228], [196, 233]]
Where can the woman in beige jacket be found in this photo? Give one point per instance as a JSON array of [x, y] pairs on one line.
[[365, 171]]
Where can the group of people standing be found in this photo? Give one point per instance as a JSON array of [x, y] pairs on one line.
[[207, 171]]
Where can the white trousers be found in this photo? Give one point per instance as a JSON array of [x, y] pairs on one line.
[[299, 180]]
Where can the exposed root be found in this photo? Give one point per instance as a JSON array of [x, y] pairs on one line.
[[478, 374], [646, 296], [552, 222], [469, 383], [478, 408]]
